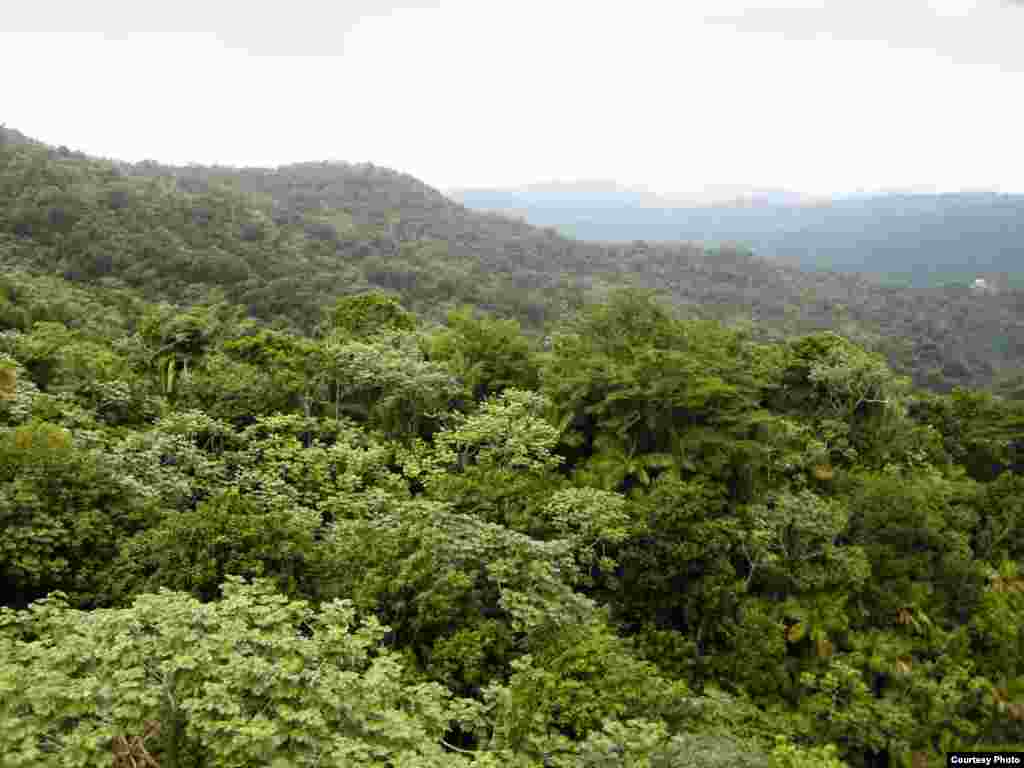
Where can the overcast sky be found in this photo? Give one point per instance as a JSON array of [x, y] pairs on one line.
[[818, 96]]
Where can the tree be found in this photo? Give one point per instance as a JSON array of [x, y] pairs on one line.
[[290, 367], [791, 545], [251, 679], [385, 381], [835, 379], [679, 570], [840, 708], [487, 354], [441, 579], [583, 678], [918, 541], [507, 431], [193, 551], [645, 383], [176, 341], [64, 512], [366, 314]]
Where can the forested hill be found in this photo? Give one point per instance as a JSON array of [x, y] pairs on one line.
[[285, 242], [342, 534], [921, 240], [10, 136]]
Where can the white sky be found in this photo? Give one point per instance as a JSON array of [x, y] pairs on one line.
[[818, 96]]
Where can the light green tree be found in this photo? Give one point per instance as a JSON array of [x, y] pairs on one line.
[[250, 680]]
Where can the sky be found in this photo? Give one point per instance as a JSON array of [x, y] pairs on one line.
[[818, 96]]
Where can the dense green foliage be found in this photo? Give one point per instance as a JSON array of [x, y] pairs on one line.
[[340, 533], [651, 541]]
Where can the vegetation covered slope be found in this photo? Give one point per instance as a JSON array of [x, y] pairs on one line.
[[657, 542], [285, 242], [91, 220]]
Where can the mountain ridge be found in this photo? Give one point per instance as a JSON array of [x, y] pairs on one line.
[[284, 242]]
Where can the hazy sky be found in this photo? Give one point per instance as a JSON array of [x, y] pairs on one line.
[[814, 95]]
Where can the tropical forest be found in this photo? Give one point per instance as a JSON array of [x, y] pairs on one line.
[[312, 466]]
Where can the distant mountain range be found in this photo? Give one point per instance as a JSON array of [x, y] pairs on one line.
[[610, 194], [908, 238]]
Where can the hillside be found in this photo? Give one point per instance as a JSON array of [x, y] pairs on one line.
[[906, 239], [177, 239], [286, 242], [942, 337]]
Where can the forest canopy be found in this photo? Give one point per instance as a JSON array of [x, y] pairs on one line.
[[255, 514]]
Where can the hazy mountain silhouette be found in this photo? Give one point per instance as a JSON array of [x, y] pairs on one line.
[[914, 238]]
